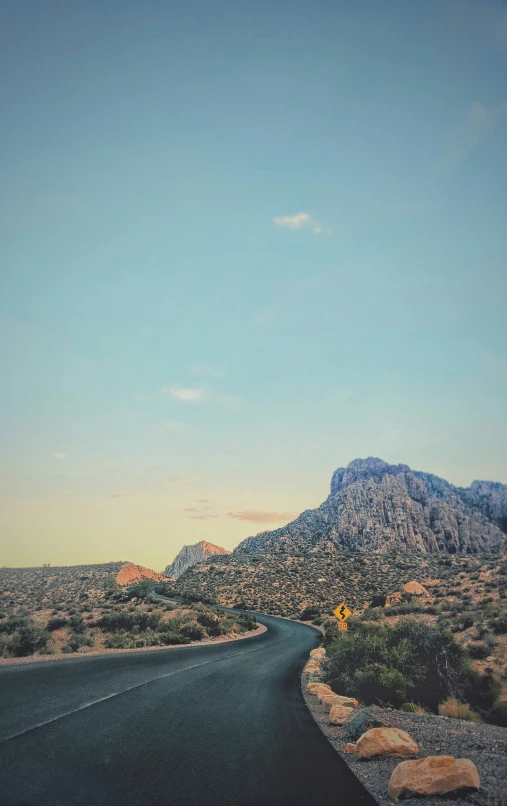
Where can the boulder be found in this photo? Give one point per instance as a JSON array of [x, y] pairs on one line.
[[338, 714], [323, 690], [312, 687], [363, 720], [349, 748], [434, 775], [386, 742], [335, 699], [312, 667], [415, 588], [318, 653]]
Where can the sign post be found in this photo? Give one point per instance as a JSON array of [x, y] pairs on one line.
[[342, 613]]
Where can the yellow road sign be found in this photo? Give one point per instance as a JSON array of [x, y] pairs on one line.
[[343, 626], [342, 612]]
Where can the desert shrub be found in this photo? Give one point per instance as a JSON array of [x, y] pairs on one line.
[[121, 640], [56, 623], [499, 625], [411, 708], [142, 589], [77, 624], [478, 651], [379, 600], [78, 640], [309, 613], [207, 618], [480, 690], [13, 623], [27, 640], [498, 714], [170, 637], [122, 620], [409, 662], [193, 630], [458, 710]]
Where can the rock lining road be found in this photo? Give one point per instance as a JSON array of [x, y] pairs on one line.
[[214, 724]]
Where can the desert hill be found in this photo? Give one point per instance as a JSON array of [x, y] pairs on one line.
[[191, 555], [286, 585], [130, 574], [374, 506]]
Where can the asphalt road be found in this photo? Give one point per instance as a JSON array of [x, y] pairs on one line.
[[192, 726]]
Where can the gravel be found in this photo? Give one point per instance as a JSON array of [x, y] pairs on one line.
[[485, 745]]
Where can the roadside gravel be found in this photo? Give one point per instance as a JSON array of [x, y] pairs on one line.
[[485, 745]]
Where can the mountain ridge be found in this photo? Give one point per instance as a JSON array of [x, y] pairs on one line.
[[377, 506]]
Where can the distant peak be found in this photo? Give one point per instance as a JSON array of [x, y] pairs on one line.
[[364, 468]]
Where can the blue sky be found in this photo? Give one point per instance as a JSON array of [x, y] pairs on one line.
[[241, 245]]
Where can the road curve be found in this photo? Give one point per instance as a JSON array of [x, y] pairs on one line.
[[193, 726]]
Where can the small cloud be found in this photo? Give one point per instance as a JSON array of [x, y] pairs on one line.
[[205, 500], [186, 395], [123, 495], [59, 455], [202, 517], [258, 516], [176, 481], [191, 509], [301, 221], [209, 370]]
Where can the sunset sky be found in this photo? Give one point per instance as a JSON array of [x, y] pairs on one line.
[[242, 244]]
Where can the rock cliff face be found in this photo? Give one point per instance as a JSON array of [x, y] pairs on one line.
[[191, 555], [374, 506]]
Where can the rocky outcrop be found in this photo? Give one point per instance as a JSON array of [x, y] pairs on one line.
[[375, 506], [363, 720], [313, 686], [385, 743], [192, 555], [434, 775], [415, 588], [130, 574], [339, 713]]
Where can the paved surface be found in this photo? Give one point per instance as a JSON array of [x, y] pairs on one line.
[[197, 726]]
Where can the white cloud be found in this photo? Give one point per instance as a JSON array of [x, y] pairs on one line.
[[186, 395], [301, 221], [59, 455]]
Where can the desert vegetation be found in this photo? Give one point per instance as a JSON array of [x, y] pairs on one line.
[[411, 666], [50, 611]]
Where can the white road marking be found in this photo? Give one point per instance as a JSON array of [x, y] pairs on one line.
[[131, 688]]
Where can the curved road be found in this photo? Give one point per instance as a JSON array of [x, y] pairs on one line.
[[193, 726]]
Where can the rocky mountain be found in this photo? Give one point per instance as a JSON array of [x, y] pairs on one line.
[[191, 555], [375, 506], [130, 574]]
